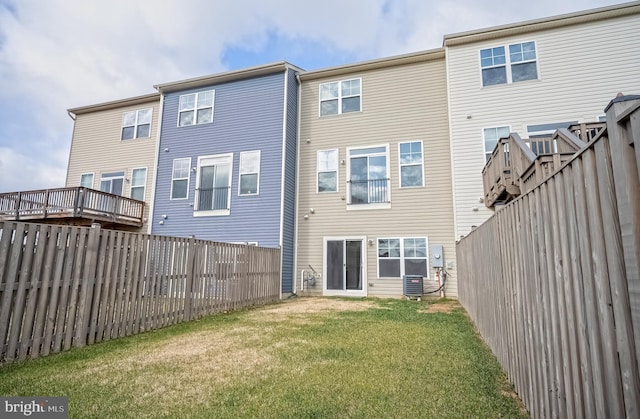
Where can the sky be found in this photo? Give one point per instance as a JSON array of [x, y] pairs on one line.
[[60, 54]]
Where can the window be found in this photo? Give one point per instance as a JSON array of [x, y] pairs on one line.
[[196, 108], [368, 181], [402, 256], [539, 137], [411, 164], [327, 168], [213, 193], [491, 137], [180, 178], [519, 64], [136, 124], [112, 182], [340, 97], [249, 173], [86, 180], [138, 183]]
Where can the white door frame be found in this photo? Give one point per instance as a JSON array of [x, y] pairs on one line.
[[363, 267]]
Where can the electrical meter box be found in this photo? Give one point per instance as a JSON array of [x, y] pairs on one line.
[[437, 256]]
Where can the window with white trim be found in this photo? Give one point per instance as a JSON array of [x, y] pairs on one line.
[[180, 178], [327, 169], [340, 97], [519, 64], [86, 180], [368, 176], [196, 108], [402, 256], [213, 191], [491, 137], [112, 182], [411, 164], [136, 124], [249, 173], [138, 183]]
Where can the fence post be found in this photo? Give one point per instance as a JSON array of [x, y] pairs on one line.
[[188, 297], [86, 290]]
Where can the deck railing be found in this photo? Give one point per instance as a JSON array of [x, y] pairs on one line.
[[369, 191], [76, 202]]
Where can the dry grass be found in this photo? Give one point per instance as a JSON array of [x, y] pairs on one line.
[[447, 306]]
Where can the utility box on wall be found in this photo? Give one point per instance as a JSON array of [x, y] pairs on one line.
[[437, 256]]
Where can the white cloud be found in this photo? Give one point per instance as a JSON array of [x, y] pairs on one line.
[[59, 54]]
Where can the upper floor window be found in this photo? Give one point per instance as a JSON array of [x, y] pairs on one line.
[[180, 178], [86, 180], [368, 176], [249, 173], [196, 108], [402, 256], [213, 192], [340, 97], [136, 124], [411, 164], [327, 168], [138, 183], [491, 137], [499, 67]]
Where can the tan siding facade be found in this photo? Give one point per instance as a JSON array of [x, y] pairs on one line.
[[97, 148], [580, 69], [400, 103]]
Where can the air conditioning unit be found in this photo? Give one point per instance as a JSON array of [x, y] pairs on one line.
[[412, 286]]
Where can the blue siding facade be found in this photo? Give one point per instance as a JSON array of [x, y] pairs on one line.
[[248, 115]]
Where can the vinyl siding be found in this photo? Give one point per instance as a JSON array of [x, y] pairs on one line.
[[248, 115], [580, 68], [399, 103], [96, 148]]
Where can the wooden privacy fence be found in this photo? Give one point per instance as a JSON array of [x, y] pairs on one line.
[[64, 286], [552, 280]]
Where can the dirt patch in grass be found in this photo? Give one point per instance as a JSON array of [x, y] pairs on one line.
[[309, 305], [442, 307]]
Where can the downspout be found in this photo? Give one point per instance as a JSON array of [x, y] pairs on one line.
[[73, 135], [154, 182], [284, 172], [295, 218]]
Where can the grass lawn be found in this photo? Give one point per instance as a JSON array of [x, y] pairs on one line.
[[303, 358]]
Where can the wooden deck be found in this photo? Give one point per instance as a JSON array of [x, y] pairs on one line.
[[517, 165], [72, 206]]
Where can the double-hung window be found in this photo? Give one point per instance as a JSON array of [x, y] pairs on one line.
[[402, 256], [327, 168], [509, 64], [491, 137], [411, 172], [180, 178], [368, 175], [86, 180], [196, 108], [138, 182], [136, 124], [340, 97], [213, 193], [249, 173]]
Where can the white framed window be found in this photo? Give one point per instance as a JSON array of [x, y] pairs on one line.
[[509, 64], [138, 183], [491, 137], [213, 190], [341, 97], [180, 178], [327, 169], [249, 173], [112, 182], [136, 124], [411, 164], [368, 176], [86, 180], [196, 108], [399, 256]]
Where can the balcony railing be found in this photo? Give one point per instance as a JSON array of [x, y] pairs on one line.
[[213, 199], [77, 205], [371, 191]]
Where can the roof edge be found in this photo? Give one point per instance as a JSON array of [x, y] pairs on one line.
[[414, 57], [232, 75], [551, 22], [115, 104]]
